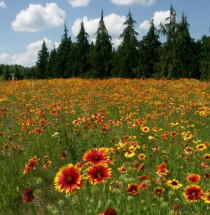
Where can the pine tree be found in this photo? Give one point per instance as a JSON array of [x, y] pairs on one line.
[[7, 74], [52, 62], [63, 65], [126, 58], [17, 74], [41, 65], [101, 54], [81, 50], [149, 53]]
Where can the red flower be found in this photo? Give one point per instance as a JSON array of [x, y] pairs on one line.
[[63, 155], [143, 186], [193, 193], [133, 189], [109, 211], [27, 195], [68, 179], [141, 167], [194, 178], [98, 174], [159, 191], [95, 156]]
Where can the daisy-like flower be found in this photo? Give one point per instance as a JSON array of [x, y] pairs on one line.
[[68, 179], [95, 156], [159, 191], [206, 157], [133, 189], [63, 155], [175, 184], [143, 185], [206, 197], [162, 171], [193, 193], [27, 195], [193, 178], [173, 133], [201, 147], [47, 164], [188, 150], [122, 169], [141, 156], [129, 154], [145, 129], [98, 174]]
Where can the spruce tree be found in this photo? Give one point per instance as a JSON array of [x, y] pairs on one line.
[[126, 58], [41, 65], [63, 65], [149, 53], [52, 62], [101, 54], [81, 51]]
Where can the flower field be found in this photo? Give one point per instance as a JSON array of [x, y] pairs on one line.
[[116, 146]]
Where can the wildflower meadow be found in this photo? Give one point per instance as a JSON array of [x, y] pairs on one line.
[[104, 147]]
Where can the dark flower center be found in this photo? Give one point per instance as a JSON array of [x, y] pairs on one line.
[[69, 179], [174, 183], [96, 158]]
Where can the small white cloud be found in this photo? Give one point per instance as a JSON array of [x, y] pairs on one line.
[[36, 18], [113, 22], [79, 3], [28, 58], [2, 4], [158, 18], [127, 2], [145, 25]]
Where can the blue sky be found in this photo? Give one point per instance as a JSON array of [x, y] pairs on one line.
[[25, 23]]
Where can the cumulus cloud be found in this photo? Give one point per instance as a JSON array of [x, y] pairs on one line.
[[36, 18], [113, 22], [158, 18], [79, 3], [2, 4], [127, 2], [28, 58]]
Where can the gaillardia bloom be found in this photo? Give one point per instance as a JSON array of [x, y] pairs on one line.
[[98, 174], [109, 211], [194, 178], [141, 156], [159, 191], [175, 184], [27, 195], [95, 156], [193, 193], [133, 189], [68, 179]]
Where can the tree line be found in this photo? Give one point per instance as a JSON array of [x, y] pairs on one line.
[[179, 57]]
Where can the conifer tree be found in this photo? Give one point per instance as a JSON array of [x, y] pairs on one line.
[[43, 54], [63, 65], [126, 58], [52, 62], [80, 52], [101, 54], [149, 53]]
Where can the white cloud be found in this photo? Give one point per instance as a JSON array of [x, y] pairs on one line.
[[2, 4], [158, 17], [145, 25], [113, 22], [127, 2], [28, 58], [79, 3], [36, 18]]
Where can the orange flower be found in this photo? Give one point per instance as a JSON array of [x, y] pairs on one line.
[[30, 165], [47, 164], [159, 191]]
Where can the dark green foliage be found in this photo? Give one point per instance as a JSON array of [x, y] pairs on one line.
[[149, 53], [52, 63], [7, 74], [126, 58], [101, 52], [41, 71], [80, 56]]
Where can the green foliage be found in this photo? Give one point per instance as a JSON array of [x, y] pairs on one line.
[[41, 71], [101, 52]]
